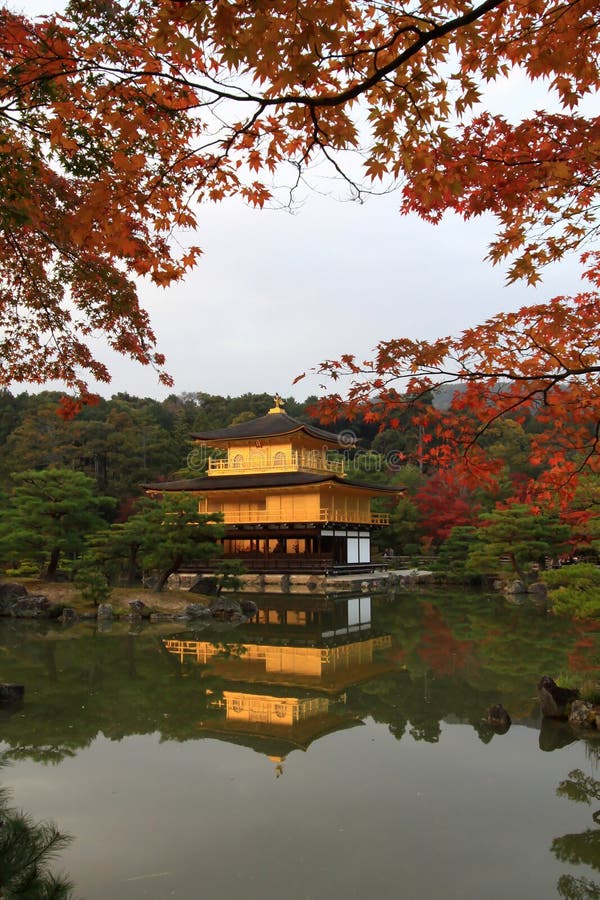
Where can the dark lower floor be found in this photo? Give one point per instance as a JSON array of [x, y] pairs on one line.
[[291, 549]]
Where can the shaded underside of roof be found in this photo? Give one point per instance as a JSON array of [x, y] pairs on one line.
[[271, 425], [268, 480], [277, 740]]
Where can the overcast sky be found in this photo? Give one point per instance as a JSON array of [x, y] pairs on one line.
[[275, 293]]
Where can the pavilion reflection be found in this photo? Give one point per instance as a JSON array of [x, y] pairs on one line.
[[283, 685]]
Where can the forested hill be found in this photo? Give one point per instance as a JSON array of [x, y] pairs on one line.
[[121, 442], [126, 440]]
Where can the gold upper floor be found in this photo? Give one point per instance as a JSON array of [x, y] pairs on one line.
[[248, 460], [274, 443]]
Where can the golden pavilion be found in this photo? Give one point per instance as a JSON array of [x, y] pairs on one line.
[[285, 498]]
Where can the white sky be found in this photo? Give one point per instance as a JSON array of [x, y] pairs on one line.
[[274, 293]]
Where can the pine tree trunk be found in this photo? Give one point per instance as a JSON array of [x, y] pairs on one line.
[[517, 568], [132, 566], [163, 578], [53, 563]]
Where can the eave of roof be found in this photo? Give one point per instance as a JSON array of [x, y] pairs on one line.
[[271, 425], [268, 480]]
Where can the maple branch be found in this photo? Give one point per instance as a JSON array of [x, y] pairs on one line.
[[422, 41], [243, 95]]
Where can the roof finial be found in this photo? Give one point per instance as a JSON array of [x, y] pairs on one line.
[[278, 408]]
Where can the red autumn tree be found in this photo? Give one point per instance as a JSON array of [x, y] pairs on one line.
[[541, 362], [119, 117], [445, 502]]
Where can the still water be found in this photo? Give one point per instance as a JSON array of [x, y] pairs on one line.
[[331, 749]]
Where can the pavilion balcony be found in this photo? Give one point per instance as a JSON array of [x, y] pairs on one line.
[[260, 517], [353, 518], [295, 461]]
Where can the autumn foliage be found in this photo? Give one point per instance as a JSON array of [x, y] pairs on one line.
[[540, 363], [119, 118]]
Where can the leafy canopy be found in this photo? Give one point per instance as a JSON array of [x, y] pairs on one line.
[[49, 513], [169, 532], [119, 117]]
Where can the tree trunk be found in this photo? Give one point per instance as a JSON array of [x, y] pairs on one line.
[[53, 563], [132, 566], [162, 579], [517, 568]]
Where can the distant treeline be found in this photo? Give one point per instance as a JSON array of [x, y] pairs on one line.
[[126, 441]]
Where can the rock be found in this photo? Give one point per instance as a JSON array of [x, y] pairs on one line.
[[11, 694], [68, 615], [205, 584], [197, 611], [225, 608], [554, 700], [10, 592], [248, 607], [498, 718], [583, 714], [104, 611], [515, 587], [539, 590], [33, 606], [139, 608]]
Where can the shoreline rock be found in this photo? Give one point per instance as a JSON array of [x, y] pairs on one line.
[[554, 700]]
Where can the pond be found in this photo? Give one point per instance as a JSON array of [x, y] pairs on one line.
[[332, 748]]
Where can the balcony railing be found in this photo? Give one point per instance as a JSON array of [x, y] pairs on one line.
[[295, 461], [339, 515], [263, 516]]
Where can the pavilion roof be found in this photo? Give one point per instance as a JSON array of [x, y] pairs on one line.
[[267, 480], [270, 425]]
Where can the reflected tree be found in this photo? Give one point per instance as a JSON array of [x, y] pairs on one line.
[[577, 888], [583, 848], [579, 849], [579, 787]]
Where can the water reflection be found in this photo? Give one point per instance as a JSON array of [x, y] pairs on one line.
[[583, 848], [311, 665], [377, 706], [286, 685]]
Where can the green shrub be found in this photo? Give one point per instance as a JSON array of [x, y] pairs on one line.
[[574, 590], [93, 584], [587, 686], [25, 570]]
